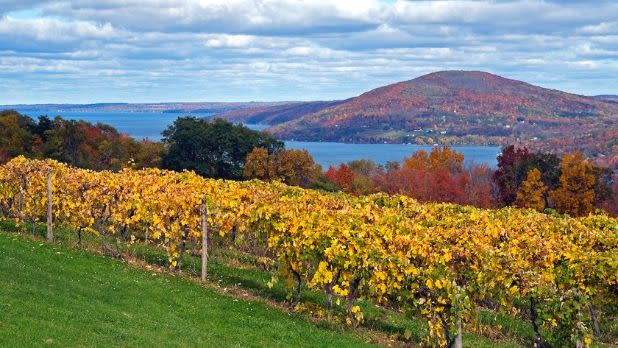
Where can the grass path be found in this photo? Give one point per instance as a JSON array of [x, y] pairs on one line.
[[63, 297]]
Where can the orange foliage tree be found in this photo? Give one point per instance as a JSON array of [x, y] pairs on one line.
[[293, 167], [296, 167], [343, 176], [532, 191], [437, 176], [259, 165], [576, 195]]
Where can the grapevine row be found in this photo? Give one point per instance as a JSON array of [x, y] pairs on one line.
[[441, 261]]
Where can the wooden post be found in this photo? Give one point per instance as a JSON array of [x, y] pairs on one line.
[[595, 321], [459, 337], [50, 233], [204, 211]]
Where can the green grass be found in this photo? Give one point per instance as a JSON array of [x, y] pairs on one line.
[[107, 302], [55, 295]]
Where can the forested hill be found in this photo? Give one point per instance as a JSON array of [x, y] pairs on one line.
[[608, 98], [462, 107], [271, 115]]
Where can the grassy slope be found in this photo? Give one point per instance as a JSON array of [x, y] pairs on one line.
[[60, 296]]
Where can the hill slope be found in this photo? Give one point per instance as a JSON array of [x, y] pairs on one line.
[[609, 98], [457, 103], [277, 114], [61, 297]]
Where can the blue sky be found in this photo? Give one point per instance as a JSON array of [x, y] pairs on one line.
[[80, 51]]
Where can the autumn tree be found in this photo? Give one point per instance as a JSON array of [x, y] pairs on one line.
[[480, 188], [576, 193], [16, 136], [507, 176], [259, 165], [78, 143], [363, 171], [437, 176], [296, 167], [4, 156], [532, 191], [343, 176], [437, 158]]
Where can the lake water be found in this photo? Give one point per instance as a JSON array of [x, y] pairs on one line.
[[151, 124]]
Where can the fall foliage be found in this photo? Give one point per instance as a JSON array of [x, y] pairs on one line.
[[343, 176], [259, 165], [213, 148], [575, 195], [293, 167], [532, 191], [438, 176], [77, 143]]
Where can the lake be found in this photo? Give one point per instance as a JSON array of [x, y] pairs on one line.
[[150, 125]]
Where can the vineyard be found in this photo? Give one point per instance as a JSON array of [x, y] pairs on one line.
[[443, 262]]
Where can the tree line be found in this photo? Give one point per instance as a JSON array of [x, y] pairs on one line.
[[78, 143], [541, 181], [212, 148]]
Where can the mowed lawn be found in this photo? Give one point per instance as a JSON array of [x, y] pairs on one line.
[[53, 295]]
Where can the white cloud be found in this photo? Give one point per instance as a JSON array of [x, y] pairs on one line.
[[230, 41], [55, 30], [283, 50], [601, 28]]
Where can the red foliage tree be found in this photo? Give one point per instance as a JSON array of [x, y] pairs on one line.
[[343, 176], [506, 176]]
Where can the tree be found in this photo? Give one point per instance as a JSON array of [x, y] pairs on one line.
[[259, 165], [147, 154], [343, 176], [531, 194], [16, 137], [507, 175], [296, 167], [576, 195], [212, 148], [438, 158], [480, 189], [293, 167]]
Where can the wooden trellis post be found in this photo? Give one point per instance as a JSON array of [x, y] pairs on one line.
[[50, 232], [204, 211], [459, 337]]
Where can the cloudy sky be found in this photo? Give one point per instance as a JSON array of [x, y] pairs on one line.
[[239, 50]]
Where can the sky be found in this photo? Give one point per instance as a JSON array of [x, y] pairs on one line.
[[84, 51]]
